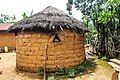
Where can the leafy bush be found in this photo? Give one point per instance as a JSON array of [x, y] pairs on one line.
[[52, 78], [69, 72], [79, 68], [40, 71], [75, 70], [61, 71], [87, 64], [72, 72]]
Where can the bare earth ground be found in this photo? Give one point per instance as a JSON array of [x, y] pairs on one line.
[[102, 72], [8, 71]]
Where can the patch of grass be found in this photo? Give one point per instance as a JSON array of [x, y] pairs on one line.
[[61, 71], [71, 72], [87, 64], [52, 78], [102, 63]]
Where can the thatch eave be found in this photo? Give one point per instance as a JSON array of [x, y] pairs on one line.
[[49, 19]]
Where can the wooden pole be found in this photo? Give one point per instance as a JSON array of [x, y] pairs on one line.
[[119, 76], [45, 58]]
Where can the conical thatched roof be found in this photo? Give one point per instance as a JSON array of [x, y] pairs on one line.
[[50, 19]]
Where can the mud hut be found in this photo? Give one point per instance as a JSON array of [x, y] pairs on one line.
[[6, 39], [49, 36]]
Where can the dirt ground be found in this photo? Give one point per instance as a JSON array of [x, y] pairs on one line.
[[102, 72], [8, 70]]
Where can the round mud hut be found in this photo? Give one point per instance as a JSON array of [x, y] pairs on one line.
[[49, 39]]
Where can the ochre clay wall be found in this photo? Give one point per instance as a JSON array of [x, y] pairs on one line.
[[30, 49], [7, 39]]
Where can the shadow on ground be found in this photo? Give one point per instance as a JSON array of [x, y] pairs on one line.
[[91, 66]]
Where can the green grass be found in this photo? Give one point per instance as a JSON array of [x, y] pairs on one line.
[[95, 66], [102, 63], [63, 73]]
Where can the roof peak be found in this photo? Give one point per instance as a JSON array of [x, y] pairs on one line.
[[49, 6], [51, 9]]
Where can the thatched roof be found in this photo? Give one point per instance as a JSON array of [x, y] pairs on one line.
[[50, 19]]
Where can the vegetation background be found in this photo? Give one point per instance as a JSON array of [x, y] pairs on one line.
[[102, 18]]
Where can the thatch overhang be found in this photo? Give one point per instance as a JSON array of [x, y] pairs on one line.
[[49, 20]]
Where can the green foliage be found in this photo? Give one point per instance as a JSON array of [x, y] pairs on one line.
[[102, 18], [24, 16], [87, 64], [71, 72], [61, 72], [84, 6], [68, 73], [6, 18], [90, 37], [113, 1], [75, 70], [40, 71], [70, 1], [51, 78], [1, 20]]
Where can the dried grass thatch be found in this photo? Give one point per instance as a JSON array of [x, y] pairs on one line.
[[50, 19]]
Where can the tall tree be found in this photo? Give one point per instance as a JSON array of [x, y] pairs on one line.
[[105, 17]]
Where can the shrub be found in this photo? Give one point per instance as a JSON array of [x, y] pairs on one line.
[[40, 71], [72, 72], [52, 78], [87, 64], [69, 72], [61, 71]]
